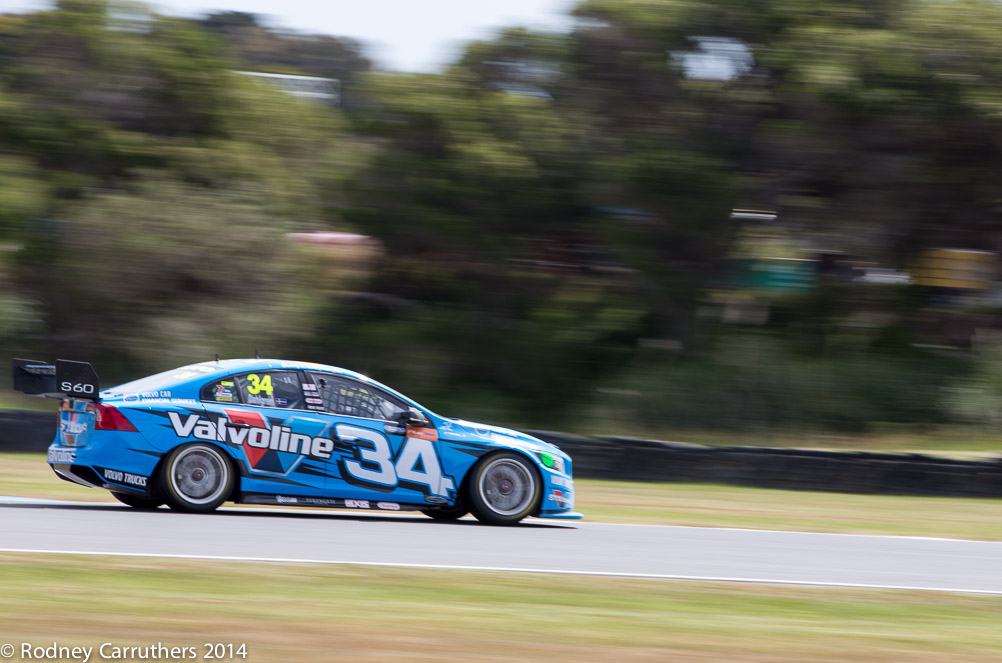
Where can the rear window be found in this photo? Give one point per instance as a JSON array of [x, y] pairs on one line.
[[271, 389], [160, 381], [221, 391], [282, 389]]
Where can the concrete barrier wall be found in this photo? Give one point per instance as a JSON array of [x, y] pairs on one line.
[[632, 459], [27, 430], [792, 469]]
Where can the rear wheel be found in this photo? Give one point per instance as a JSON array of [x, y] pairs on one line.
[[446, 514], [137, 501], [504, 490], [196, 478]]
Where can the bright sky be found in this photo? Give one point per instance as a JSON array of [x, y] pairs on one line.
[[407, 35]]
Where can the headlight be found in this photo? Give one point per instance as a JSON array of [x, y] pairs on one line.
[[551, 461]]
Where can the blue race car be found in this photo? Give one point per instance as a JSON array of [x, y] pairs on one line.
[[262, 431]]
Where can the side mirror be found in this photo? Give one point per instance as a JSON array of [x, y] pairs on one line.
[[412, 417]]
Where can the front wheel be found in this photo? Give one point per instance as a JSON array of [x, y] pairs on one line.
[[504, 490], [196, 478], [138, 502]]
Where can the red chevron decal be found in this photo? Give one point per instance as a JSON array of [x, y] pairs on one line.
[[254, 419]]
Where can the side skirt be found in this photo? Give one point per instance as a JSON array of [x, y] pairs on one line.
[[326, 502], [564, 515]]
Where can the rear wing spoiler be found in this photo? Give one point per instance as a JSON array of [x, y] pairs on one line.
[[65, 378]]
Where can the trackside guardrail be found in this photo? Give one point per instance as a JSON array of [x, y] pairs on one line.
[[767, 467], [631, 459], [27, 430]]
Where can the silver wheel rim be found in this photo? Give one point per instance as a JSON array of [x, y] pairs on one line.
[[507, 486], [199, 475]]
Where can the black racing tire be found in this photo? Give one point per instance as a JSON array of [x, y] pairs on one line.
[[504, 489], [447, 514], [196, 478], [138, 502]]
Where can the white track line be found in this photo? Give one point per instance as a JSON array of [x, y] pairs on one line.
[[794, 531], [5, 499], [456, 567]]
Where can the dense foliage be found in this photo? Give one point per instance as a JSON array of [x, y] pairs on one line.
[[552, 212]]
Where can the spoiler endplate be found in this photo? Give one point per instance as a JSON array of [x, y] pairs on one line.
[[75, 379]]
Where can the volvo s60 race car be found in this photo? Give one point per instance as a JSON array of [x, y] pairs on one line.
[[261, 431]]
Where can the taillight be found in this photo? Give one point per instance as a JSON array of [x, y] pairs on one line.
[[107, 417]]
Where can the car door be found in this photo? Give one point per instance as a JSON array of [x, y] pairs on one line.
[[379, 458], [264, 419]]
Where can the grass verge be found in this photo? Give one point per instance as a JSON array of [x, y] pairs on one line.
[[762, 508], [27, 475], [342, 613], [15, 400]]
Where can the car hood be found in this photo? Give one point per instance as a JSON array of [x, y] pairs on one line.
[[458, 429]]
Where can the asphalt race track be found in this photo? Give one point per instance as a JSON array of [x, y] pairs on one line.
[[320, 536]]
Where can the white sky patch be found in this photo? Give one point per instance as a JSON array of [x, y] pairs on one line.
[[403, 35], [715, 58]]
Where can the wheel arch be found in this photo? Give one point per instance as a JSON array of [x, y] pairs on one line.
[[236, 467], [534, 463]]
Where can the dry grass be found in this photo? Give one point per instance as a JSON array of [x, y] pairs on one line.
[[28, 475], [760, 508], [328, 613]]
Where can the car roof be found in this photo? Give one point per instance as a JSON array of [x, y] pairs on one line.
[[227, 366], [207, 370]]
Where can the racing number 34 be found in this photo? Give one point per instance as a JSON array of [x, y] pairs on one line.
[[417, 462], [259, 384]]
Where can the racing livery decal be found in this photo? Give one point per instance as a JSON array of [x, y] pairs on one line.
[[275, 449], [330, 502], [562, 498], [68, 456], [124, 478], [372, 464], [365, 454], [271, 431]]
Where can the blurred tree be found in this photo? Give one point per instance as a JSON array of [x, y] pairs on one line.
[[221, 21], [654, 171], [550, 207], [262, 49], [870, 126], [478, 197], [167, 272], [91, 103], [154, 155]]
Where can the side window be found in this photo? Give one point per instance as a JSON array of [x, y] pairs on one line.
[[221, 391], [271, 389], [355, 399]]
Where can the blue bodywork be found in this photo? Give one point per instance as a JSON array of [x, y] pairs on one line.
[[305, 457]]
